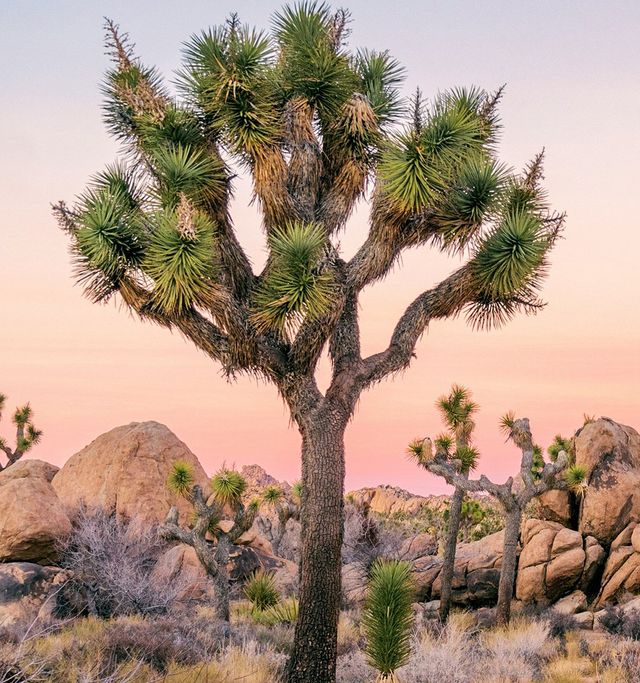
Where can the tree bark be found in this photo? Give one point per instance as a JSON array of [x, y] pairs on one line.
[[509, 561], [315, 643], [446, 573], [221, 578]]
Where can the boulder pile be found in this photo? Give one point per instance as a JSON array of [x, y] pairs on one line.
[[579, 552]]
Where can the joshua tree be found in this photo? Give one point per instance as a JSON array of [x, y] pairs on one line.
[[228, 487], [27, 435], [457, 410], [285, 509], [513, 500], [317, 129], [388, 617]]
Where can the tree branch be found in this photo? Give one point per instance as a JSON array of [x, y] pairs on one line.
[[444, 300]]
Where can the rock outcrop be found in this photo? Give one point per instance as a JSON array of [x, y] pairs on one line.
[[555, 561], [125, 471], [611, 454], [621, 576], [28, 591], [33, 521]]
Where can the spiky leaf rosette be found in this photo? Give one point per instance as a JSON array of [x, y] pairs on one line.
[[228, 486], [296, 285], [538, 462], [577, 477], [183, 170], [468, 457], [560, 444], [444, 443], [381, 76], [313, 65], [227, 76], [180, 259], [296, 490], [388, 617], [457, 410], [109, 239], [420, 450], [272, 494], [507, 423], [261, 590], [508, 268], [421, 164], [181, 478]]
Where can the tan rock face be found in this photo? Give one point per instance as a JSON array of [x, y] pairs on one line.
[[29, 468], [555, 507], [555, 561], [621, 576], [27, 591], [611, 452], [125, 471], [32, 520]]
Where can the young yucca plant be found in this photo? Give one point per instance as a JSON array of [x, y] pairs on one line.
[[388, 617], [181, 478], [283, 612], [296, 490], [261, 591], [228, 486]]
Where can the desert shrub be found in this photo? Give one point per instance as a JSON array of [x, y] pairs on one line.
[[631, 627], [368, 537], [388, 616], [112, 561], [559, 623], [261, 591], [613, 619]]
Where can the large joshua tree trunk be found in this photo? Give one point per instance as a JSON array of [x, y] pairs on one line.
[[509, 562], [315, 646], [446, 574]]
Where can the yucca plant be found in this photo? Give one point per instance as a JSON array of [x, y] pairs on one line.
[[260, 589], [317, 128], [27, 436], [204, 523], [283, 612], [388, 617], [577, 477]]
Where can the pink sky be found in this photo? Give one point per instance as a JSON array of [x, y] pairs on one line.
[[572, 73]]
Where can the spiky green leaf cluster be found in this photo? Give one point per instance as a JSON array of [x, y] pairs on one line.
[[468, 457], [296, 285], [227, 74], [260, 589], [110, 238], [181, 478], [313, 65], [283, 612], [180, 260], [444, 443], [228, 486], [381, 77], [457, 410], [296, 490], [538, 462], [272, 494], [507, 422], [419, 450], [422, 164], [560, 444], [388, 617], [577, 478]]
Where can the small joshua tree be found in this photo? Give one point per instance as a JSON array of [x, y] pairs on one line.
[[27, 435], [388, 617], [228, 487], [535, 478], [457, 410], [285, 509]]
